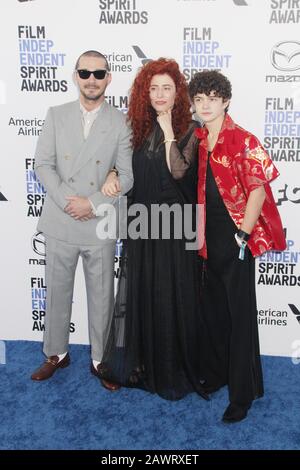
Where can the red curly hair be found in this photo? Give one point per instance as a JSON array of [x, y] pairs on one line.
[[142, 116]]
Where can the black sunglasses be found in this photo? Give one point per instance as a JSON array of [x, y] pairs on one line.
[[85, 74]]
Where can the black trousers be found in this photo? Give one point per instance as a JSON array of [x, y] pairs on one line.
[[229, 302]]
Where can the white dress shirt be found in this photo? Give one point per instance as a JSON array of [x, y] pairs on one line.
[[88, 118]]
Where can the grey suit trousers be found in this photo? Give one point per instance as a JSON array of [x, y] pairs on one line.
[[98, 266]]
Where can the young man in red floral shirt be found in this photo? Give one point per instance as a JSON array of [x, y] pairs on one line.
[[241, 221]]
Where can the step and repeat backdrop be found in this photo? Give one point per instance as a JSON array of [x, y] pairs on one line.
[[256, 43]]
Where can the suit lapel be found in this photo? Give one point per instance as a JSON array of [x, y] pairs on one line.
[[96, 136], [73, 129]]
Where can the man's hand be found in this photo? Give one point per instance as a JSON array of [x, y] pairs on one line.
[[79, 208], [111, 186], [88, 217]]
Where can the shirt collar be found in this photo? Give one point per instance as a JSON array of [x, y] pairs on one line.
[[85, 111], [228, 124]]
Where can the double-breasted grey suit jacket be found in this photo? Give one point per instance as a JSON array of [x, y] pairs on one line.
[[68, 165]]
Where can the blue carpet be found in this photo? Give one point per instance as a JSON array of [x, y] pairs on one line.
[[72, 410]]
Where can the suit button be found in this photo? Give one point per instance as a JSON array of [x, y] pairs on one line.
[[71, 180], [98, 161], [91, 183]]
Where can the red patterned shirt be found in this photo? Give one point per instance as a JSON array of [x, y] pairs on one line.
[[240, 164]]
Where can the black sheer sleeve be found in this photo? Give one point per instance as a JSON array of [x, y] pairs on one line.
[[184, 153]]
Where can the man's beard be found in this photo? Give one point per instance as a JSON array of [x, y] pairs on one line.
[[94, 97]]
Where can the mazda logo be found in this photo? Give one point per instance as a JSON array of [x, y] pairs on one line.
[[38, 244], [285, 56]]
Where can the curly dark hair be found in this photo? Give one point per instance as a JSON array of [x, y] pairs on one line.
[[208, 81], [142, 116]]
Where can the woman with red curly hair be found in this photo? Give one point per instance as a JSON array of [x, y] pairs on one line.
[[144, 106], [157, 332]]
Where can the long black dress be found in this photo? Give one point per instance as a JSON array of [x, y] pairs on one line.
[[229, 303], [156, 341]]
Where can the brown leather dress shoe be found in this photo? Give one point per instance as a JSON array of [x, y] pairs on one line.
[[112, 387], [49, 367]]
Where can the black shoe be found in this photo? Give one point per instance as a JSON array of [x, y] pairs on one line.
[[235, 413]]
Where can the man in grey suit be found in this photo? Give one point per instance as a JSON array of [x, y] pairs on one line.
[[80, 144]]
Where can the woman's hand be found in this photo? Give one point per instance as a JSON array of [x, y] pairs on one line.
[[111, 186], [164, 119]]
